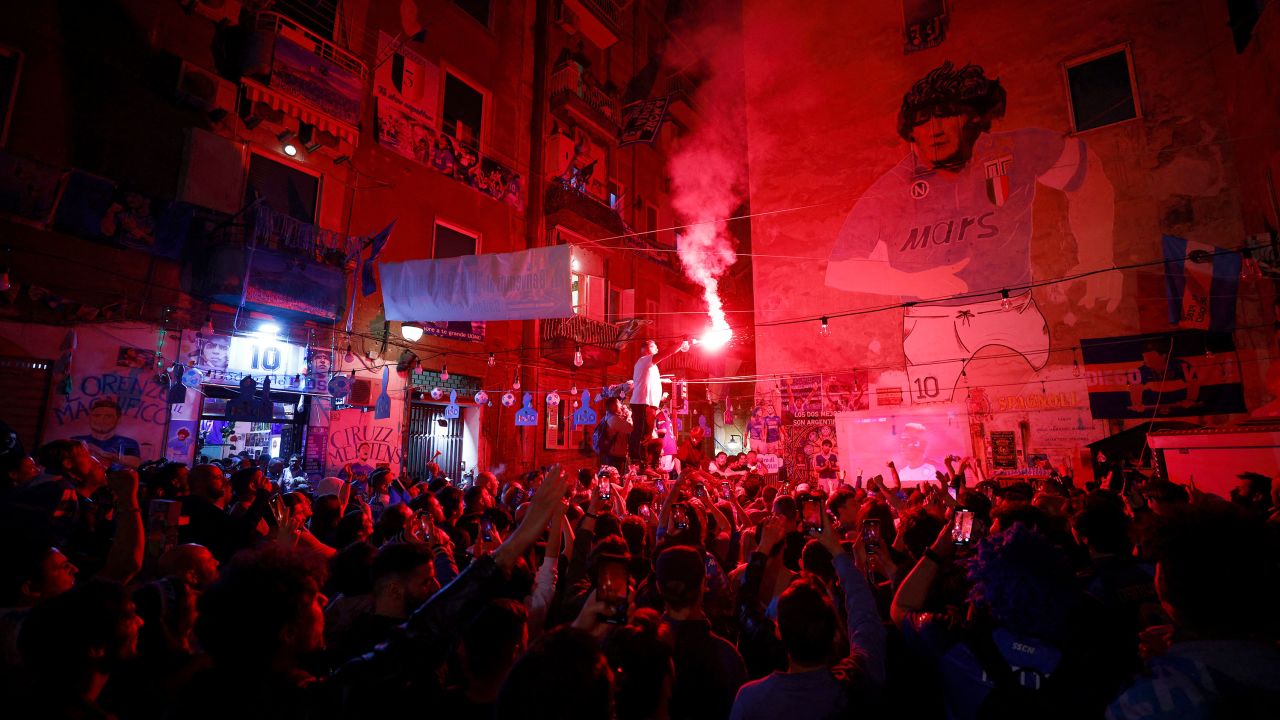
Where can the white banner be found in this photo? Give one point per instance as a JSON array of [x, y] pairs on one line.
[[525, 285]]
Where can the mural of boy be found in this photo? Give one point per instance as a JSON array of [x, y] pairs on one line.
[[103, 442], [951, 224]]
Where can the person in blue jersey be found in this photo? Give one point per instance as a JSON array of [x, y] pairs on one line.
[[104, 442]]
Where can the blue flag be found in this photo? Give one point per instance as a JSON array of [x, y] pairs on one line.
[[368, 285], [1201, 281]]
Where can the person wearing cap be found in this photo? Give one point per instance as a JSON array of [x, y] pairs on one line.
[[709, 669], [103, 441], [690, 452]]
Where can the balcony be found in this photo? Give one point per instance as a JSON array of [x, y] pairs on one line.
[[578, 100], [684, 92], [277, 24], [566, 195], [599, 20], [600, 342]]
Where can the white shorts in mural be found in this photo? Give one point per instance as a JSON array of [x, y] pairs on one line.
[[939, 340]]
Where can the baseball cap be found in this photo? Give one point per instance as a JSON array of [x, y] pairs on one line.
[[680, 572], [329, 486]]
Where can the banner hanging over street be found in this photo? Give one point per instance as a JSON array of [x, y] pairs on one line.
[[525, 285]]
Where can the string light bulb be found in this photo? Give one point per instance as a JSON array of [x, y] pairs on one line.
[[444, 373], [1005, 303], [515, 380], [825, 329], [577, 357], [1248, 266], [1075, 366], [350, 357], [492, 360], [206, 330]]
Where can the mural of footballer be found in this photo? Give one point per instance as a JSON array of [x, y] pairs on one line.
[[953, 221]]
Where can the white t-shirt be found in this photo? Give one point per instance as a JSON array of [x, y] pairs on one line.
[[648, 383], [925, 472]]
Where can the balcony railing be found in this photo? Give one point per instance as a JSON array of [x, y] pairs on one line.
[[270, 230], [570, 78], [585, 331], [280, 25], [565, 194], [609, 11]]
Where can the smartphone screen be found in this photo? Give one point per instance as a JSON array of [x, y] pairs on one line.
[[486, 530], [644, 511], [680, 516], [811, 515], [871, 534], [699, 491], [725, 489], [962, 530], [612, 588]]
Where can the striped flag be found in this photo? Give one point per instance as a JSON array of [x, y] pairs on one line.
[[1201, 281]]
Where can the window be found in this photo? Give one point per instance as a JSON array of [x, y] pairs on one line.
[[282, 187], [454, 242], [616, 193], [1102, 90], [10, 69], [650, 217], [622, 305], [588, 296], [562, 434], [478, 9], [463, 111]]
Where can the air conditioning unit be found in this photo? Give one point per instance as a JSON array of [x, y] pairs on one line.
[[361, 393], [216, 10], [204, 90], [566, 18]]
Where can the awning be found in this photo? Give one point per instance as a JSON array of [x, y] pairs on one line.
[[257, 92]]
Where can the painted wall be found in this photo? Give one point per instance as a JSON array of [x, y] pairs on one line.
[[865, 220]]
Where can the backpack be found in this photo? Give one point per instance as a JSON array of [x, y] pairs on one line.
[[600, 437]]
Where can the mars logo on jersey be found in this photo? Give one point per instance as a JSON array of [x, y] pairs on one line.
[[947, 231], [997, 172]]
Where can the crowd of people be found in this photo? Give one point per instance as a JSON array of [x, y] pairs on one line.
[[628, 591]]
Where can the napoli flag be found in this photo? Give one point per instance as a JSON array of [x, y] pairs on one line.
[[1202, 281], [375, 244]]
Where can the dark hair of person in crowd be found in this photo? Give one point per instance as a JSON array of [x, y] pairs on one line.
[[976, 501], [608, 524], [639, 495], [681, 576], [807, 621], [838, 500], [563, 676], [168, 609], [355, 526], [473, 499], [1023, 582], [391, 523], [1213, 577], [71, 641], [31, 568], [1102, 524], [350, 570], [450, 499], [919, 528], [326, 513], [260, 611], [816, 560], [636, 534], [641, 654], [241, 481], [492, 641]]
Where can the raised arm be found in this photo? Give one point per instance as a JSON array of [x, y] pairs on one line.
[[124, 560], [866, 633], [914, 591]]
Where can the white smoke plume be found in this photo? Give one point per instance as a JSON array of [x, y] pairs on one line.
[[708, 170]]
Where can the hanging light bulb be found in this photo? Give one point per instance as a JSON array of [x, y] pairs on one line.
[[1208, 352], [825, 329], [1005, 303], [515, 381], [492, 361], [444, 373], [5, 284], [1075, 368], [206, 330], [577, 357], [350, 357], [573, 389]]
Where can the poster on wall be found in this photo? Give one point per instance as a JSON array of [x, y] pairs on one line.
[[181, 443], [225, 361], [118, 410], [358, 443], [917, 441], [1176, 374], [1004, 450]]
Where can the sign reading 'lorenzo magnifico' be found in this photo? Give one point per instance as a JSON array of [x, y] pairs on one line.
[[525, 285]]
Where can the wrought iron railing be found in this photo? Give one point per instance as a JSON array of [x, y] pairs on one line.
[[264, 228], [610, 11], [581, 330], [277, 23], [571, 78]]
